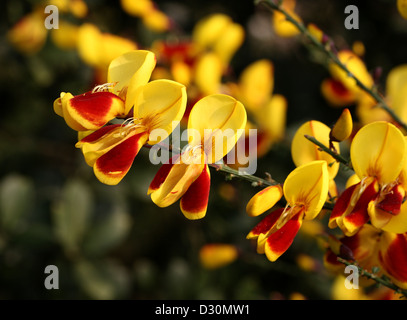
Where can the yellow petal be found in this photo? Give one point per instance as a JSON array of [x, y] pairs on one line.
[[352, 180], [379, 150], [398, 223], [396, 86], [402, 8], [66, 36], [304, 151], [160, 104], [177, 182], [137, 8], [208, 73], [229, 41], [216, 255], [264, 200], [356, 66], [282, 26], [210, 28], [216, 122], [131, 70], [256, 83], [307, 186], [343, 126]]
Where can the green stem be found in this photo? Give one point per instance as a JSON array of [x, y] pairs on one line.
[[324, 148], [383, 281], [276, 5]]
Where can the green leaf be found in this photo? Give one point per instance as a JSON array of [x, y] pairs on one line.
[[102, 280], [71, 215], [108, 233], [17, 199]]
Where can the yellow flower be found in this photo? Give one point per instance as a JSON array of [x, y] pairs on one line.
[[214, 126], [157, 104], [378, 154], [217, 255], [305, 190]]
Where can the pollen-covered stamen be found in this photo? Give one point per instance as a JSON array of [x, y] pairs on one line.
[[193, 155], [289, 212], [128, 126], [104, 87]]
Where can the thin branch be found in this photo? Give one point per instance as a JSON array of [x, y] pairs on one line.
[[381, 280], [328, 50], [324, 148]]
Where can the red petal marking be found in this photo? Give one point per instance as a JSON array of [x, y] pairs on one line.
[[359, 215], [279, 241], [338, 88], [162, 174], [342, 203], [111, 167], [394, 259], [392, 201], [267, 223], [99, 133], [195, 201], [96, 107]]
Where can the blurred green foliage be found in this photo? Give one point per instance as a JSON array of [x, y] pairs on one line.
[[113, 242]]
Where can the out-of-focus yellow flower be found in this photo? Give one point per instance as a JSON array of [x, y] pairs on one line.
[[98, 49], [208, 73], [217, 255], [282, 26], [66, 36], [315, 31], [151, 16], [218, 33], [77, 7], [305, 190], [402, 8], [29, 34]]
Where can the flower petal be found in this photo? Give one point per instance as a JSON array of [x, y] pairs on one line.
[[160, 104], [264, 200], [92, 110], [216, 122], [308, 186], [343, 127], [279, 241], [131, 70], [195, 200], [177, 180], [111, 167], [336, 93], [393, 257], [398, 223], [266, 224], [216, 255], [208, 73], [379, 150], [304, 151]]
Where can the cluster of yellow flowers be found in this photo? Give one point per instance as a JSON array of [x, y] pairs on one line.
[[183, 82]]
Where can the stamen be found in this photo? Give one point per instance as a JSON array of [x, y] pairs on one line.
[[104, 87]]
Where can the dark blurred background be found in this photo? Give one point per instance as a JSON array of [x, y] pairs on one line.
[[113, 242]]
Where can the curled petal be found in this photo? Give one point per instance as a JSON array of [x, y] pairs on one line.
[[379, 150], [216, 122], [393, 257], [160, 105], [111, 167], [307, 186], [195, 200], [173, 181], [279, 241], [304, 151], [398, 223], [350, 210], [130, 71], [343, 127], [264, 200], [91, 110], [256, 83]]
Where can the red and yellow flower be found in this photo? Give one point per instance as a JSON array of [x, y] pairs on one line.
[[187, 175], [305, 190], [111, 149], [378, 155]]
